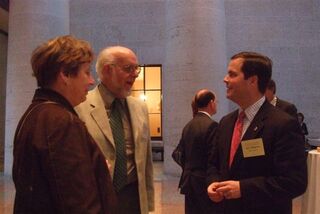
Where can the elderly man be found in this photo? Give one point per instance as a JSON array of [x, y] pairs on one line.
[[119, 124]]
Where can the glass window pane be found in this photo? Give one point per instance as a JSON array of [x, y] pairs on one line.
[[155, 125], [139, 83], [147, 87], [153, 99], [138, 94], [153, 78]]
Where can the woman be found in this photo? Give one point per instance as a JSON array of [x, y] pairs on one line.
[[58, 168]]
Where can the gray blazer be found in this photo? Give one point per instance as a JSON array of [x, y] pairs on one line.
[[94, 114]]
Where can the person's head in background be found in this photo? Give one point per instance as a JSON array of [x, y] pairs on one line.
[[118, 68], [247, 77], [62, 64], [271, 90], [300, 117], [205, 100]]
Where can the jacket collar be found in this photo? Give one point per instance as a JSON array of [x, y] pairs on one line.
[[45, 94]]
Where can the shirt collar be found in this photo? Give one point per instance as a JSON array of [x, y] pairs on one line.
[[252, 110], [206, 113], [46, 94], [107, 96], [274, 101]]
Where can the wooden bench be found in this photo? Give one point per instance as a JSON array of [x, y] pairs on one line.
[[157, 147]]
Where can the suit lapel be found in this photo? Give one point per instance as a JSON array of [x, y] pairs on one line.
[[99, 114], [252, 132], [135, 120], [257, 122]]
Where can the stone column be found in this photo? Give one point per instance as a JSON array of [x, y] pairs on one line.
[[30, 23], [3, 69], [195, 59]]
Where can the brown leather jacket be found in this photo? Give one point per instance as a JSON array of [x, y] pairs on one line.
[[58, 168]]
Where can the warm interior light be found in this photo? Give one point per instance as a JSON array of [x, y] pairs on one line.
[[143, 97]]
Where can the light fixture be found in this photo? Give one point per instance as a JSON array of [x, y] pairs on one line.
[[143, 97]]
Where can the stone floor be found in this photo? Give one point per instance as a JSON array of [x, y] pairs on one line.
[[167, 198]]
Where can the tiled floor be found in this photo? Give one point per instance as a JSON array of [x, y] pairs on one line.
[[6, 194], [168, 200]]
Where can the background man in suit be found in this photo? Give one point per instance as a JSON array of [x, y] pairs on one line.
[[127, 146], [195, 154], [257, 164], [275, 101]]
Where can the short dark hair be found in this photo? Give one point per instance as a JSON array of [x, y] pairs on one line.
[[256, 64], [64, 52], [272, 86], [203, 99]]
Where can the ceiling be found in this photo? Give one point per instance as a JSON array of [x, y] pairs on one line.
[[4, 4]]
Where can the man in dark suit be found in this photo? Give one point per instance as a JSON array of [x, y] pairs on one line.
[[275, 101], [268, 167], [194, 153]]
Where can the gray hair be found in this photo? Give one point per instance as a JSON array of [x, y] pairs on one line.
[[109, 56]]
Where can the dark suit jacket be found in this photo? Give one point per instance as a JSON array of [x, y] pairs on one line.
[[195, 151], [268, 183], [287, 107]]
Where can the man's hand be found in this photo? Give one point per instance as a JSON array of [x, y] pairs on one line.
[[213, 194], [229, 189]]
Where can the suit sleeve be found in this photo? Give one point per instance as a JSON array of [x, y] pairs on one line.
[[178, 154], [149, 168], [288, 171], [292, 110], [213, 170]]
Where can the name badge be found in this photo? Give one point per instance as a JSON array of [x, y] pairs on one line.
[[252, 148]]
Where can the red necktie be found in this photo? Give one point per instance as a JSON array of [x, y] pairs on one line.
[[236, 137]]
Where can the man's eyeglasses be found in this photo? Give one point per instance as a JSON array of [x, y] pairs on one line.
[[130, 68]]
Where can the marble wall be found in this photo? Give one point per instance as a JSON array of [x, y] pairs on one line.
[[3, 74], [195, 58], [30, 23], [191, 39], [288, 32]]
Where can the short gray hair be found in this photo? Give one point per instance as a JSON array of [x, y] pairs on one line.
[[105, 57]]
